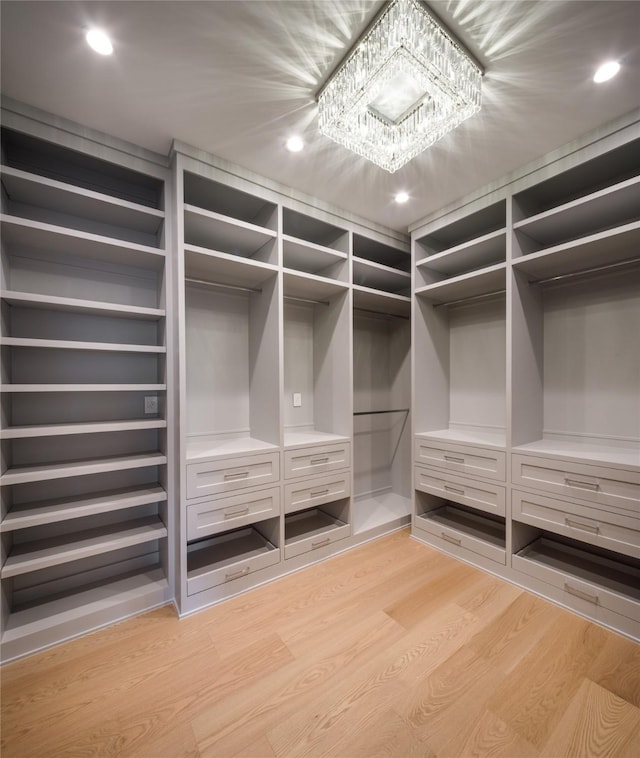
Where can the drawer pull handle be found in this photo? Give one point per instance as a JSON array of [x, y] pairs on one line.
[[236, 475], [448, 538], [317, 493], [582, 595], [457, 490], [320, 543], [237, 574], [595, 529], [322, 459], [233, 514], [594, 486], [454, 458]]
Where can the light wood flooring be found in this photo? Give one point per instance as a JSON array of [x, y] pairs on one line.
[[391, 649]]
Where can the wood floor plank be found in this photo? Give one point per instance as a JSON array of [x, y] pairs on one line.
[[596, 723], [391, 649], [536, 693]]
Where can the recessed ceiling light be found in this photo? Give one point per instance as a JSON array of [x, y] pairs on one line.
[[606, 71], [295, 144], [401, 197], [99, 41]]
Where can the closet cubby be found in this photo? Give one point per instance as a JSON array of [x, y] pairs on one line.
[[317, 346], [315, 528], [468, 532], [231, 555], [462, 258], [379, 266], [225, 219], [85, 510], [460, 355], [314, 246], [574, 396], [382, 419], [596, 582], [232, 374]]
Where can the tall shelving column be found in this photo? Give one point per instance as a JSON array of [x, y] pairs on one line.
[[86, 492], [381, 383]]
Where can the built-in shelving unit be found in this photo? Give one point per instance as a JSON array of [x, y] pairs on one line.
[[527, 444], [85, 506]]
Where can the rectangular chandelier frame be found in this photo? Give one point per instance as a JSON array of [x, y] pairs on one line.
[[404, 84]]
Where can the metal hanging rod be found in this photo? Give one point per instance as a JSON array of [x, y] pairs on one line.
[[306, 300], [471, 298], [382, 313], [374, 413], [587, 271], [219, 285]]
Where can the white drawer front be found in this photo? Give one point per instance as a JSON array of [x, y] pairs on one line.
[[597, 527], [485, 497], [214, 516], [456, 542], [235, 570], [462, 459], [316, 460], [598, 484], [316, 492], [316, 542], [220, 476]]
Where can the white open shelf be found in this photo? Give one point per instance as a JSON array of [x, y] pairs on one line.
[[74, 305], [54, 430], [41, 513], [62, 470], [381, 302], [224, 268], [32, 189], [79, 345], [211, 447], [486, 438], [377, 510], [45, 553], [308, 256], [604, 248], [473, 284], [310, 437], [23, 234], [377, 276], [584, 450], [474, 254], [299, 284], [605, 208], [84, 387], [208, 229]]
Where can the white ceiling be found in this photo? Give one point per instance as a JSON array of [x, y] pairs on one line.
[[237, 78]]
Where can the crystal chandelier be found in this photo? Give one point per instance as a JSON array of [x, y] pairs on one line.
[[403, 87]]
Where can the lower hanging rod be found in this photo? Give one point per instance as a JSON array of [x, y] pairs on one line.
[[306, 300], [471, 298], [587, 271], [382, 313], [374, 413], [219, 285]]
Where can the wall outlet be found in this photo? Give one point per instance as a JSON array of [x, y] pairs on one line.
[[151, 404], [297, 399]]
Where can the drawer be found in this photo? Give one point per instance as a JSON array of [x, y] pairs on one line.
[[316, 460], [586, 581], [228, 557], [312, 492], [597, 484], [462, 459], [464, 533], [485, 497], [598, 527], [215, 516], [220, 476], [311, 530]]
